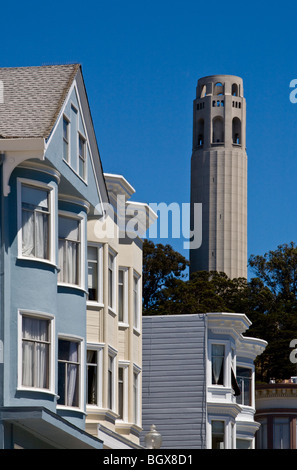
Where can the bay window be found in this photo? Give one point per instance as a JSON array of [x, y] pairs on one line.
[[35, 220], [217, 363], [111, 279], [70, 250], [136, 301], [69, 370], [36, 352], [244, 381], [95, 273], [123, 295], [217, 434]]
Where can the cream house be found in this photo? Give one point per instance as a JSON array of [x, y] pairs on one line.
[[114, 327]]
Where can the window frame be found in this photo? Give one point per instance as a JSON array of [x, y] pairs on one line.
[[124, 365], [82, 158], [112, 273], [136, 395], [81, 257], [51, 190], [124, 320], [81, 376], [99, 261], [136, 302], [68, 139], [51, 354], [111, 380], [98, 349]]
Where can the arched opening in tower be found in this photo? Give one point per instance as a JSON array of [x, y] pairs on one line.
[[236, 131], [217, 129]]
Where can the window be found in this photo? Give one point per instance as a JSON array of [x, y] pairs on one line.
[[281, 433], [66, 125], [81, 156], [69, 373], [95, 273], [244, 380], [136, 401], [111, 280], [261, 434], [69, 250], [121, 393], [136, 301], [111, 381], [35, 222], [217, 362], [218, 434], [36, 352], [123, 295], [92, 377]]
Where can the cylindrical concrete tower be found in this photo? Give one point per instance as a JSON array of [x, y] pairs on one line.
[[219, 175]]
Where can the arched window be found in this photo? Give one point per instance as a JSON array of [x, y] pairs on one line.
[[218, 89], [217, 129], [235, 89], [236, 131], [200, 132]]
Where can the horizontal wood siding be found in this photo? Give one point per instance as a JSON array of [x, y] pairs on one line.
[[174, 395]]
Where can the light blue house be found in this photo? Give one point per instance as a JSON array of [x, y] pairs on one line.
[[51, 184]]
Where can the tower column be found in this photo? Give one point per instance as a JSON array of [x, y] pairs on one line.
[[219, 175]]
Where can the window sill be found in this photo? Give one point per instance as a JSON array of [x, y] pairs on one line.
[[72, 286], [71, 408], [38, 260], [37, 390], [136, 331], [123, 325], [94, 304]]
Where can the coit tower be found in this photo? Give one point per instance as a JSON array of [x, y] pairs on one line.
[[219, 175]]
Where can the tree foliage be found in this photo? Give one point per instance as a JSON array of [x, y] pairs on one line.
[[269, 299]]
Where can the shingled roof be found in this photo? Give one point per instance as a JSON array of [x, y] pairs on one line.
[[33, 97]]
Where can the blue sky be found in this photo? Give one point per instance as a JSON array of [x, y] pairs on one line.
[[141, 62]]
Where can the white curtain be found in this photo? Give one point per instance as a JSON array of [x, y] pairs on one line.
[[217, 360], [68, 262], [72, 375], [35, 366], [34, 222]]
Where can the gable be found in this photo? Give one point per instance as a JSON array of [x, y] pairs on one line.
[[77, 157]]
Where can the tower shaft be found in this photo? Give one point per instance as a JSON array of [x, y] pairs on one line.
[[219, 175]]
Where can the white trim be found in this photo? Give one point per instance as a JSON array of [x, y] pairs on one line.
[[51, 319], [51, 189]]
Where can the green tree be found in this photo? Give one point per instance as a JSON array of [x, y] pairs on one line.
[[161, 263]]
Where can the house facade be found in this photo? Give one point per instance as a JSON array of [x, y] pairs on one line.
[[56, 274], [198, 380]]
